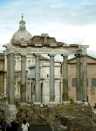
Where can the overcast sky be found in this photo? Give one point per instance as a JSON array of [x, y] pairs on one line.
[[70, 21]]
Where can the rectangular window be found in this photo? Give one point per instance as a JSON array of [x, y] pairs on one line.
[[87, 81], [74, 82], [93, 82]]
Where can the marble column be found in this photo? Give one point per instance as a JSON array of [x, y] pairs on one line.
[[41, 84], [23, 78], [52, 81], [33, 92], [11, 108], [78, 77], [5, 74], [65, 78], [38, 89], [31, 84], [11, 78], [84, 76]]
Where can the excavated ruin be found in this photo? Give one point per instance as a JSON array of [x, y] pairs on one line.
[[65, 117]]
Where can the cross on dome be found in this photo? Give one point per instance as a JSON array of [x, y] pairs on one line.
[[22, 23], [22, 16]]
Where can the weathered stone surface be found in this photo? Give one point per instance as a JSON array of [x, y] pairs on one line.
[[2, 115], [43, 41], [11, 112]]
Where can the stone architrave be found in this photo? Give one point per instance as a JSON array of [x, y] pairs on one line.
[[65, 78], [38, 89], [67, 50], [11, 78], [78, 77], [52, 81], [23, 79]]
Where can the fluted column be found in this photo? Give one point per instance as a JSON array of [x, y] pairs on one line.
[[38, 89], [65, 78], [11, 78], [52, 81], [23, 78], [78, 77]]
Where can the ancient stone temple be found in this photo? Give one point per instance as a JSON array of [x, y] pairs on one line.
[[33, 74]]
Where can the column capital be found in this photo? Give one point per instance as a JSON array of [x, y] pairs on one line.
[[78, 54], [11, 53], [22, 55], [51, 55], [84, 51], [37, 55], [64, 56]]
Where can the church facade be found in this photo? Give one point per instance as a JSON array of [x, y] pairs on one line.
[[32, 74]]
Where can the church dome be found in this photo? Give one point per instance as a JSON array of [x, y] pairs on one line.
[[22, 36]]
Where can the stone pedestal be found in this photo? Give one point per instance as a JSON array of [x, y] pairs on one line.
[[11, 112]]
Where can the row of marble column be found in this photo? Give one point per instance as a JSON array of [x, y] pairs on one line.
[[52, 87], [81, 90], [81, 77]]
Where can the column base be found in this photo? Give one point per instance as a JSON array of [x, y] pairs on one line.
[[37, 103], [11, 112], [81, 102], [24, 104], [86, 103], [52, 104], [66, 102]]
